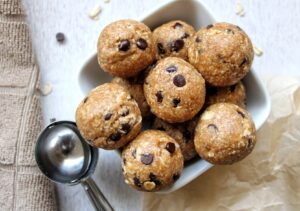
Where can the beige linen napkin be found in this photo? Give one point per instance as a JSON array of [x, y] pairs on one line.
[[268, 179], [22, 187]]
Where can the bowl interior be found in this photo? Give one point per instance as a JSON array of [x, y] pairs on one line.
[[196, 14]]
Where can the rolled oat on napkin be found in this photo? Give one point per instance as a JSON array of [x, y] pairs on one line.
[[22, 186], [268, 179]]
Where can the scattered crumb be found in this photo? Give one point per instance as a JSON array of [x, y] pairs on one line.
[[94, 13], [52, 120], [277, 167], [239, 9], [46, 89], [258, 51], [106, 1], [60, 37]]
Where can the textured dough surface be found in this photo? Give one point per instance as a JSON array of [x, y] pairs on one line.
[[173, 39], [126, 62], [174, 90], [222, 53], [152, 161], [135, 87], [225, 134], [182, 133], [235, 94], [108, 117]]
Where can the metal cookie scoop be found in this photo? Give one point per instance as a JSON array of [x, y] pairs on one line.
[[64, 157]]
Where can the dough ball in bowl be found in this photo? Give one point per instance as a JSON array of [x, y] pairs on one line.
[[225, 134], [174, 90], [125, 47], [173, 39], [108, 117], [235, 94], [183, 134], [152, 161], [222, 53]]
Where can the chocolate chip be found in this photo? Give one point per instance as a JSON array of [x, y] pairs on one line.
[[176, 176], [60, 37], [209, 26], [157, 182], [125, 113], [160, 48], [232, 88], [161, 128], [159, 96], [147, 159], [198, 39], [187, 135], [124, 161], [170, 147], [141, 43], [107, 116], [137, 182], [241, 114], [245, 61], [154, 179], [176, 102], [171, 69], [179, 80], [124, 45], [185, 35], [229, 31], [85, 99], [213, 127], [125, 128], [249, 142], [177, 45], [115, 136], [211, 90], [152, 176], [177, 25], [133, 153]]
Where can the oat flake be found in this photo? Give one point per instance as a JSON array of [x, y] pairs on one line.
[[94, 13], [258, 51], [239, 9], [46, 89]]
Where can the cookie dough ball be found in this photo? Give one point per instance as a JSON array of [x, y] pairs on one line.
[[125, 47], [174, 90], [182, 133], [222, 53], [235, 94], [224, 134], [152, 161], [108, 117], [173, 39], [137, 92]]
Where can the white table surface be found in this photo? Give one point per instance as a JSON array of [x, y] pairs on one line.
[[273, 25]]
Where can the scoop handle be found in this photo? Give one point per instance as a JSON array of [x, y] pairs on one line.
[[95, 195]]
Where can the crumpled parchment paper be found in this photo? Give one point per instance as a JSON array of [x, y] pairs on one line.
[[268, 179]]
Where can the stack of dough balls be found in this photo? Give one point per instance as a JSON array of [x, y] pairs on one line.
[[186, 84]]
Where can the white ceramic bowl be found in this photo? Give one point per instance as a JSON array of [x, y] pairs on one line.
[[197, 14]]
